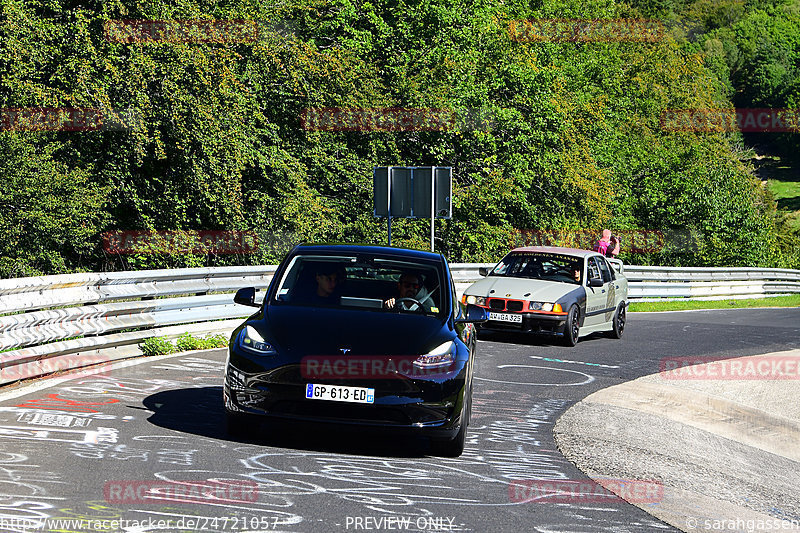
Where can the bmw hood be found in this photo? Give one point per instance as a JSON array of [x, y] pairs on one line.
[[301, 331], [520, 289]]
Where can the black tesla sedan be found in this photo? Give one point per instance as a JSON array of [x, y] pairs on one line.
[[359, 335]]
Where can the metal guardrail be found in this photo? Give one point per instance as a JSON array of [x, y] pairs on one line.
[[53, 322], [60, 322], [651, 283]]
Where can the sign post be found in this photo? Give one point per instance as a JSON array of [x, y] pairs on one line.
[[389, 204], [433, 201], [412, 192]]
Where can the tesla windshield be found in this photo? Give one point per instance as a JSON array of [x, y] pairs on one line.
[[368, 283]]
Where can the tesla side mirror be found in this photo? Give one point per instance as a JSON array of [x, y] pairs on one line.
[[246, 296], [474, 314], [483, 271], [595, 282]]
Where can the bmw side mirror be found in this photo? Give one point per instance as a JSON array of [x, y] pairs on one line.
[[474, 314], [483, 271], [246, 296], [595, 282]]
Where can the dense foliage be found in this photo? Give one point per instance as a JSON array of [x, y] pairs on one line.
[[217, 142]]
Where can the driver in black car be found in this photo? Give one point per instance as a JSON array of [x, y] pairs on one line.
[[408, 286]]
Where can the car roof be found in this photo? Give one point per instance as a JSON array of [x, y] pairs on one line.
[[556, 250], [366, 249]]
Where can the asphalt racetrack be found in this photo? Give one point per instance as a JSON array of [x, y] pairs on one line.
[[142, 447]]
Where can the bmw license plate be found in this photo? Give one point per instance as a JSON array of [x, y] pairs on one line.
[[340, 394], [506, 317]]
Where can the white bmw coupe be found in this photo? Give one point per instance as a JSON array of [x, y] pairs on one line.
[[558, 291]]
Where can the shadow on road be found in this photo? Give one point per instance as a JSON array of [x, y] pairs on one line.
[[199, 411], [532, 339]]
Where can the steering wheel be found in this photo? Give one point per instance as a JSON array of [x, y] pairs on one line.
[[411, 300]]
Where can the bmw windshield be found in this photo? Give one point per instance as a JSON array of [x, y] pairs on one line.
[[543, 266]]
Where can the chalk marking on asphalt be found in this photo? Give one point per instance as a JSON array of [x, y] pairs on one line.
[[553, 359], [588, 379], [47, 382]]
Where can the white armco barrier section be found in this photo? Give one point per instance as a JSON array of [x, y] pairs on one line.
[[52, 323], [651, 283]]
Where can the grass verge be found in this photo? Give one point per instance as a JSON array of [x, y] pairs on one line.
[[682, 305]]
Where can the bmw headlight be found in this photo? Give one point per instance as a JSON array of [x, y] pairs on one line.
[[252, 341], [544, 306], [474, 300], [442, 355]]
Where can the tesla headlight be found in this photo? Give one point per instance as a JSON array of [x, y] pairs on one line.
[[442, 355], [472, 299], [252, 341]]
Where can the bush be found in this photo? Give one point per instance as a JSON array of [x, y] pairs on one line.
[[213, 341], [187, 342], [156, 346]]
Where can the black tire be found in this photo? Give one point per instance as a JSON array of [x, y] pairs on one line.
[[572, 327], [455, 447], [620, 317], [452, 447]]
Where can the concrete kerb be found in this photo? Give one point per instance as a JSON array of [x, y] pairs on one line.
[[726, 451]]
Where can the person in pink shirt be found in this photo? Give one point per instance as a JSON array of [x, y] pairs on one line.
[[608, 245]]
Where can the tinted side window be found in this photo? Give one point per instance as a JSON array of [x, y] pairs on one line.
[[610, 269], [594, 270], [604, 270]]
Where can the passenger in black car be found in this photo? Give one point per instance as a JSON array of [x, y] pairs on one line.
[[329, 278]]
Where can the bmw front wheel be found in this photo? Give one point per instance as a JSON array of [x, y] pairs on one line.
[[572, 327]]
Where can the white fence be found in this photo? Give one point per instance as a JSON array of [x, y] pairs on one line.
[[68, 321]]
